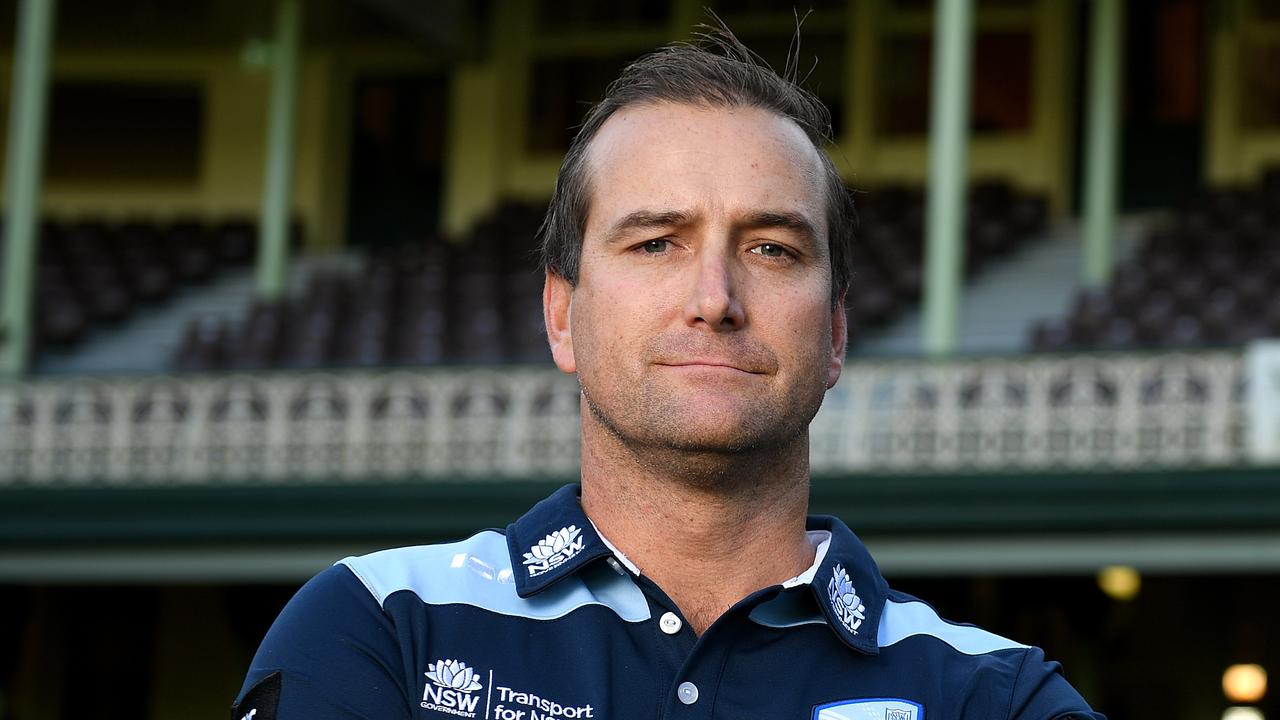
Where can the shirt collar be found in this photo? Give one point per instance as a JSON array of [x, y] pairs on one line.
[[552, 541], [555, 539], [847, 586], [843, 590]]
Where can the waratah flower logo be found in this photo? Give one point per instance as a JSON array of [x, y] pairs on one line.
[[845, 600], [453, 674], [557, 543]]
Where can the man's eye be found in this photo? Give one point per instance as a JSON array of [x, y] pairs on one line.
[[654, 247], [770, 250]]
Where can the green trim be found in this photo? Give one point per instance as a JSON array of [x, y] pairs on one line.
[[1227, 499], [275, 513], [1102, 140], [24, 173], [884, 505], [277, 193], [948, 175]]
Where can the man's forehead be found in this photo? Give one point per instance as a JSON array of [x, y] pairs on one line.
[[691, 158], [646, 129]]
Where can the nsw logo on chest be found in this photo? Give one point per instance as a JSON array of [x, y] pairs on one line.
[[454, 688]]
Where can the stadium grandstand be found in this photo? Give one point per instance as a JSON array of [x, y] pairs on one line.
[[269, 297]]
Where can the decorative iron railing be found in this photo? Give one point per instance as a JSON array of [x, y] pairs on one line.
[[1081, 412], [1031, 413]]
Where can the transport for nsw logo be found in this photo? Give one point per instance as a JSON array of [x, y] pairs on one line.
[[553, 550], [450, 688]]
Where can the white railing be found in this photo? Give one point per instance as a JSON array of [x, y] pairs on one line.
[[1036, 413], [1033, 413]]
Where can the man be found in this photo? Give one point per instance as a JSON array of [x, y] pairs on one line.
[[696, 267]]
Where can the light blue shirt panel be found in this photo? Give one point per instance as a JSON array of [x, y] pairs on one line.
[[903, 620], [788, 609], [477, 572]]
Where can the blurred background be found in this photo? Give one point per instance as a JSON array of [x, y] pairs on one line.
[[268, 298]]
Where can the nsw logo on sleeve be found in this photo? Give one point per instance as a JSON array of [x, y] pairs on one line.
[[870, 709]]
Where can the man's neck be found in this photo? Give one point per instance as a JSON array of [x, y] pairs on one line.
[[707, 544]]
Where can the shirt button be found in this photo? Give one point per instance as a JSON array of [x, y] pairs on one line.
[[688, 693], [670, 624]]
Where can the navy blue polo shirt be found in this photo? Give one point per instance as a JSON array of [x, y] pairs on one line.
[[546, 621]]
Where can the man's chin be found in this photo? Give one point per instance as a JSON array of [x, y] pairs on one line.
[[711, 445], [699, 421], [717, 460], [727, 430]]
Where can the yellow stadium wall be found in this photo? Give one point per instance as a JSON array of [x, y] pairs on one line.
[[233, 144], [486, 159], [1236, 153]]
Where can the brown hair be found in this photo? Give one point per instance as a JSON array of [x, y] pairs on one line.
[[717, 70]]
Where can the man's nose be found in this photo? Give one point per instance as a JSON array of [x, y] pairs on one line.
[[713, 300]]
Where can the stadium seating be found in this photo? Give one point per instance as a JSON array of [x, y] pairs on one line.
[[1206, 277], [888, 247], [93, 274], [478, 301]]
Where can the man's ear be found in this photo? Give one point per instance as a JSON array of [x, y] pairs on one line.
[[839, 341], [557, 302]]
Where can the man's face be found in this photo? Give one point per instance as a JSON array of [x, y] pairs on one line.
[[702, 317]]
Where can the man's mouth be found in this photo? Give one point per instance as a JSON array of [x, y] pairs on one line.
[[709, 364]]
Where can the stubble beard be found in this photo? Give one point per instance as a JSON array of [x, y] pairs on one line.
[[764, 438]]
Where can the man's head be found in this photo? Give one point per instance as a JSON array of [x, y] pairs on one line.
[[724, 75], [696, 257]]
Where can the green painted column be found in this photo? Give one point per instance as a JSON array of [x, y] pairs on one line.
[[948, 173], [277, 194], [23, 180], [1106, 27]]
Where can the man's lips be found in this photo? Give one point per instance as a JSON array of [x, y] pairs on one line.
[[732, 353], [708, 364]]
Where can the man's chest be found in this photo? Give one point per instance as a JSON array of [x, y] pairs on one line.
[[465, 665]]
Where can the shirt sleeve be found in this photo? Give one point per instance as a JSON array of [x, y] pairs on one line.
[[332, 653], [1040, 692]]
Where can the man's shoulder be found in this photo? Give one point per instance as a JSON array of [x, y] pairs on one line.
[[437, 573], [1011, 679], [906, 618], [478, 573]]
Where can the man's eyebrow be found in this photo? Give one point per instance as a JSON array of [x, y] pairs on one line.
[[795, 222], [646, 220]]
